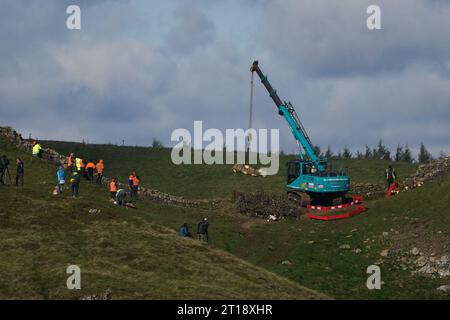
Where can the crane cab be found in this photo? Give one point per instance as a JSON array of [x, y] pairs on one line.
[[322, 186]]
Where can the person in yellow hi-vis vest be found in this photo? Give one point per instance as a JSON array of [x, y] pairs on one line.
[[78, 162], [37, 149]]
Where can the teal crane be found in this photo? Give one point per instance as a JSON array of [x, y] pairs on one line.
[[309, 178]]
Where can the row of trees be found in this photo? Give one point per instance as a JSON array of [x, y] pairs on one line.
[[381, 152]]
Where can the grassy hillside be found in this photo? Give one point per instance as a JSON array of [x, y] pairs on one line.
[[314, 249], [331, 257], [201, 181], [124, 251]]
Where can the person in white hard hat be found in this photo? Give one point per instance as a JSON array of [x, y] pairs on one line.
[[202, 230]]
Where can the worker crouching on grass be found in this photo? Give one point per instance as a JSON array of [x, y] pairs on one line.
[[184, 231], [121, 194]]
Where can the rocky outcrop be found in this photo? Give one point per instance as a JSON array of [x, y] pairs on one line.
[[13, 136], [421, 263], [54, 157]]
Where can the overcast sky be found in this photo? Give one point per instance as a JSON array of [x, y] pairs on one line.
[[139, 69]]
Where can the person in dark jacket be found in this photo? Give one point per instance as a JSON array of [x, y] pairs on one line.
[[75, 184], [202, 230], [2, 170], [4, 163], [391, 177], [20, 172]]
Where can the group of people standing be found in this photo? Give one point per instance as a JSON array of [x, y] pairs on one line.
[[5, 176], [4, 171], [87, 170], [76, 168]]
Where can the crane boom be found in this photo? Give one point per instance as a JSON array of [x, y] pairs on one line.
[[288, 112]]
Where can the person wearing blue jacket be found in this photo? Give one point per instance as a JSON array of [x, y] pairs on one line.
[[184, 231], [61, 177]]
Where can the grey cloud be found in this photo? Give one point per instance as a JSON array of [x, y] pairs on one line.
[[330, 38], [191, 29], [350, 87], [406, 107]]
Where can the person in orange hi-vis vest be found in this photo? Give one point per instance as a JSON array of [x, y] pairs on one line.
[[130, 179], [90, 167], [70, 162], [134, 181], [99, 167], [113, 188]]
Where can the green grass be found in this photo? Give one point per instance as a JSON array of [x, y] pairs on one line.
[[311, 246], [121, 250], [201, 181], [321, 265], [372, 171]]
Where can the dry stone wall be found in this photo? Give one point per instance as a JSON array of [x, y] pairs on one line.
[[266, 206], [428, 172]]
